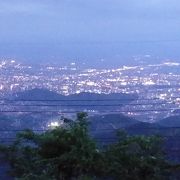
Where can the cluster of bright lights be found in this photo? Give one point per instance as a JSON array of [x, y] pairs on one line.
[[55, 124]]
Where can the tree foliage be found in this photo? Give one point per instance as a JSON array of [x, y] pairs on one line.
[[136, 158], [70, 153]]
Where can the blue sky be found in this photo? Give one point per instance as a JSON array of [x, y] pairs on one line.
[[83, 29]]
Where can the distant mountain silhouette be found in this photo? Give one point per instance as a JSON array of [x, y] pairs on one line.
[[38, 94], [44, 94], [80, 102]]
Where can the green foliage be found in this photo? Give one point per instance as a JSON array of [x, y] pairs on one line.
[[136, 158], [61, 153], [70, 153]]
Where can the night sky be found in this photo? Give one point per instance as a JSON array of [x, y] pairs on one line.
[[89, 30]]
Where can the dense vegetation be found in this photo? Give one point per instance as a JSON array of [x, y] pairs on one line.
[[70, 153]]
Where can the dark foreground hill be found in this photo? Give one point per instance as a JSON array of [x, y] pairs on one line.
[[172, 121], [104, 127], [111, 121], [144, 128], [104, 130]]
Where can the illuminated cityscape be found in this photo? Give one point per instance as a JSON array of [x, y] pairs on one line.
[[157, 85]]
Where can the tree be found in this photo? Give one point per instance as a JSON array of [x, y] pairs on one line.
[[136, 158], [70, 153], [61, 153]]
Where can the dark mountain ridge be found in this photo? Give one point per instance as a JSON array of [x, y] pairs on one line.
[[45, 94], [79, 102], [171, 121]]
